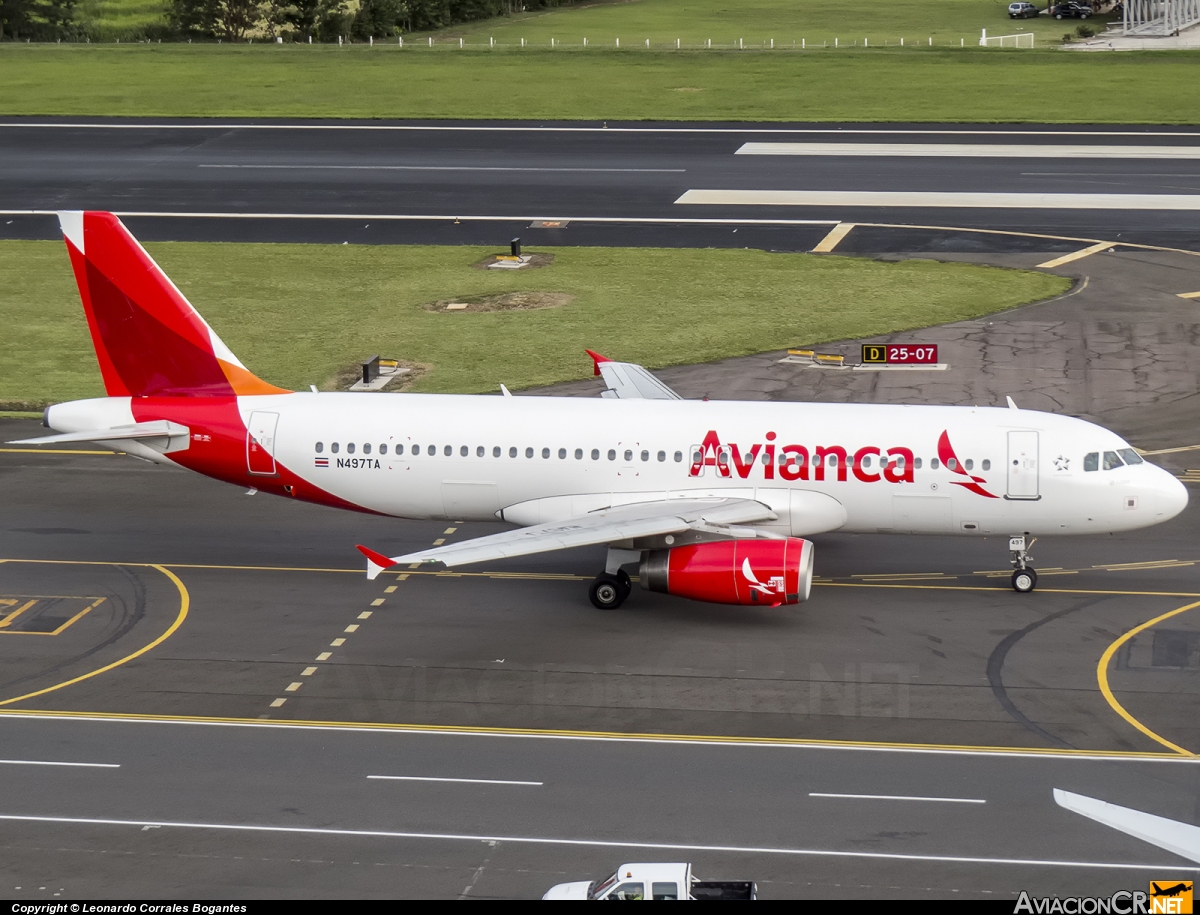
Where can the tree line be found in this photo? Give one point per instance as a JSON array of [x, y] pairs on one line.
[[239, 20]]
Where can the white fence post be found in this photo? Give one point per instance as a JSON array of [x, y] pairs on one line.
[[676, 44], [618, 42]]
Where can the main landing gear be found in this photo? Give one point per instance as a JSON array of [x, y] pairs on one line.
[[1024, 578], [609, 591]]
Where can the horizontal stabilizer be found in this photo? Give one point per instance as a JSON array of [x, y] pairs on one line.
[[160, 428]]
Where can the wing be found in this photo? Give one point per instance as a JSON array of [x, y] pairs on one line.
[[628, 381], [621, 522]]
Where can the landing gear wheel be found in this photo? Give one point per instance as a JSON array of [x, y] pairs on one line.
[[607, 592], [1024, 580]]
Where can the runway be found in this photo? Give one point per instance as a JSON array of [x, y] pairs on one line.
[[678, 184], [232, 680]]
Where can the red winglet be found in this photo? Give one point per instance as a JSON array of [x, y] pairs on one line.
[[378, 558], [596, 360]]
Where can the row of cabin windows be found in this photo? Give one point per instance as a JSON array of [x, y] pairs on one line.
[[1112, 459], [797, 460], [497, 451]]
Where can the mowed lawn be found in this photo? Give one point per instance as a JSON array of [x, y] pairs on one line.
[[756, 22], [301, 314], [386, 82]]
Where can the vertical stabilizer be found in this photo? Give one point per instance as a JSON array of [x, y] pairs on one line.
[[149, 339]]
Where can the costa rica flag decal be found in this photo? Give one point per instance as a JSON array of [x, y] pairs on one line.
[[321, 462]]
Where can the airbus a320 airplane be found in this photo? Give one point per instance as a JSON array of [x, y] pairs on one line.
[[712, 499]]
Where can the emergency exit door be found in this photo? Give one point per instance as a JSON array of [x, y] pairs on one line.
[[260, 443], [1023, 465]]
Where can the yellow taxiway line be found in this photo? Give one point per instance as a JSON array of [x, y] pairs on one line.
[[1102, 677]]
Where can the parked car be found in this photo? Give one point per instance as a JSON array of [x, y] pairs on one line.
[[1072, 10], [1022, 11]]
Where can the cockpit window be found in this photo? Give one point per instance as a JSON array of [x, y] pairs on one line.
[[1091, 461], [1131, 457], [1112, 461]]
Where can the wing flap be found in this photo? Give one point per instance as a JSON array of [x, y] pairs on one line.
[[622, 522]]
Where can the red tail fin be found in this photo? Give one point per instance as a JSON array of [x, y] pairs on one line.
[[149, 339]]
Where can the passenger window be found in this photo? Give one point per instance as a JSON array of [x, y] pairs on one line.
[[512, 452], [334, 447], [496, 451], [933, 463], [900, 461], [678, 457], [463, 451], [320, 447], [866, 461], [545, 453], [628, 456], [528, 452], [970, 464], [766, 459], [595, 454], [579, 454], [350, 448], [952, 464], [383, 449], [629, 891], [664, 890], [987, 465], [645, 455], [612, 455], [697, 457], [1112, 461], [479, 452], [367, 448], [662, 456], [562, 454], [916, 463], [1130, 456], [399, 449], [447, 450]]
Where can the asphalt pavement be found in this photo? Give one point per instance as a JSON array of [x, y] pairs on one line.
[[385, 182]]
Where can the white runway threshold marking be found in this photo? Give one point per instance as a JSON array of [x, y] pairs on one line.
[[596, 843], [466, 781], [900, 797], [971, 150], [43, 762], [940, 199]]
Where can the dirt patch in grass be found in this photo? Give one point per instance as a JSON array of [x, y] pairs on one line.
[[535, 261], [504, 301]]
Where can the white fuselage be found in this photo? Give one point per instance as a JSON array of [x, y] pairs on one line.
[[560, 456]]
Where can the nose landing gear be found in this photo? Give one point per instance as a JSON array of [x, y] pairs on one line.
[[1024, 578]]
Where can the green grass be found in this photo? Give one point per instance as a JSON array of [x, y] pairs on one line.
[[300, 314], [385, 82], [694, 22], [112, 19]]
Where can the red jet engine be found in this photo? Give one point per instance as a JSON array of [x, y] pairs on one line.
[[754, 572]]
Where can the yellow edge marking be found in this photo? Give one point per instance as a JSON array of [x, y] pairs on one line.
[[53, 451], [1102, 676], [75, 619], [830, 241], [609, 735], [1077, 255], [8, 619], [184, 602], [1170, 450], [1189, 295]]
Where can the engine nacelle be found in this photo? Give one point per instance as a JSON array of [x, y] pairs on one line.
[[763, 572]]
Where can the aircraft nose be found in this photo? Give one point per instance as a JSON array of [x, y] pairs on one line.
[[1172, 495]]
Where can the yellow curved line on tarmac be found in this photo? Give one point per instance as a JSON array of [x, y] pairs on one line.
[[567, 733], [184, 603], [1102, 676]]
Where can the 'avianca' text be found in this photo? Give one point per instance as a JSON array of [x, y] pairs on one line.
[[796, 462]]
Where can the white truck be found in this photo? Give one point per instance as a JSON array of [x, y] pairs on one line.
[[640, 882]]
